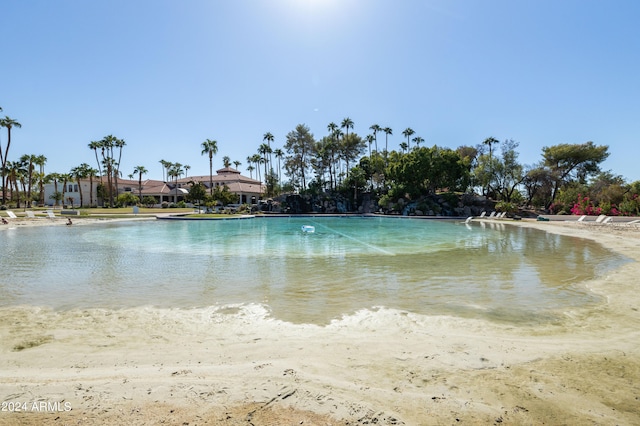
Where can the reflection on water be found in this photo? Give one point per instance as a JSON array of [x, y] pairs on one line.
[[430, 267]]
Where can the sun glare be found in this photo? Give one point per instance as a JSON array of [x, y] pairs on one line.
[[314, 7]]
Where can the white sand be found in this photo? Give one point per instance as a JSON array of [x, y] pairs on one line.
[[238, 366]]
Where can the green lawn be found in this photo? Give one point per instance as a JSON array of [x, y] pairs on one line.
[[124, 212]]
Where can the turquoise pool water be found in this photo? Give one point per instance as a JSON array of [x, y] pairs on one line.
[[350, 263]]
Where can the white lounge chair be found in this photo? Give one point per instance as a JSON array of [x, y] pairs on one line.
[[30, 214], [634, 223], [50, 214], [11, 214], [468, 219], [483, 214], [601, 218], [492, 215]]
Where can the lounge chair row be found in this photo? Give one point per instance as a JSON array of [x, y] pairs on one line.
[[604, 219], [30, 214], [493, 215]]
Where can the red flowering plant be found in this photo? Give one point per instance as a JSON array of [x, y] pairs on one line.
[[584, 206]]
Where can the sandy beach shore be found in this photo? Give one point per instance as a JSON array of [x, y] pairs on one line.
[[238, 366]]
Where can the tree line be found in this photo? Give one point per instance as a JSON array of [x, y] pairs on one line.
[[343, 162]]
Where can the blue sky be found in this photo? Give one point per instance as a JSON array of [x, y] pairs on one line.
[[164, 75]]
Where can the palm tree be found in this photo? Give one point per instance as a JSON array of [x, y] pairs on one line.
[[236, 163], [107, 144], [264, 150], [140, 170], [81, 172], [175, 171], [369, 139], [95, 145], [490, 141], [404, 146], [387, 131], [250, 169], [17, 170], [119, 143], [249, 161], [29, 161], [65, 177], [186, 170], [336, 162], [347, 124], [418, 140], [54, 177], [408, 132], [375, 129], [165, 166], [211, 148], [9, 123], [226, 161], [91, 172], [269, 138], [333, 129], [279, 155], [257, 160], [40, 162]]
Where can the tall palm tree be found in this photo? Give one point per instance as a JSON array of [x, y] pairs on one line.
[[375, 129], [257, 160], [29, 161], [165, 167], [249, 161], [387, 131], [336, 161], [140, 170], [40, 161], [333, 129], [269, 138], [175, 171], [95, 145], [226, 161], [186, 170], [490, 141], [347, 124], [55, 178], [8, 123], [250, 169], [17, 171], [265, 151], [65, 177], [210, 148], [236, 163], [81, 172], [279, 155], [91, 172], [370, 139], [119, 143], [408, 132]]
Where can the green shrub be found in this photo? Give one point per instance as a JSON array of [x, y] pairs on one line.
[[504, 206]]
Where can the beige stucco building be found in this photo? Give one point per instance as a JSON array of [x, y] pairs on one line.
[[248, 190]]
